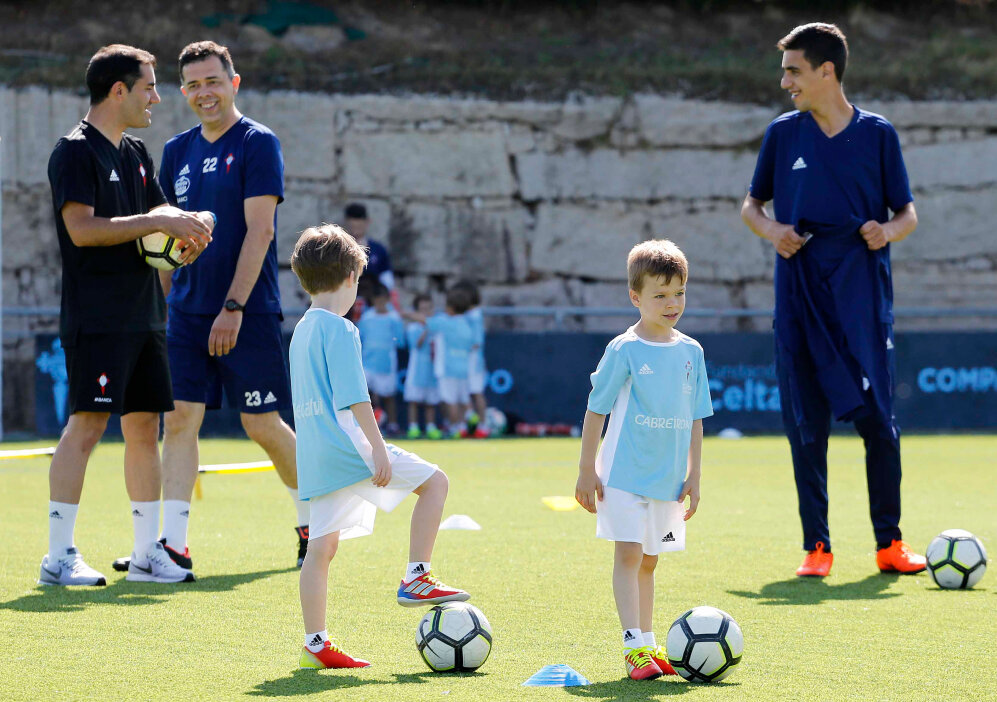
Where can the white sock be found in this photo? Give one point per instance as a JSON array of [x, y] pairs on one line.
[[176, 514], [299, 505], [416, 569], [315, 642], [632, 638], [145, 518], [649, 639], [61, 523]]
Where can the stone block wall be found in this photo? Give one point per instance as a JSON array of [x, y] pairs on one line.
[[538, 202]]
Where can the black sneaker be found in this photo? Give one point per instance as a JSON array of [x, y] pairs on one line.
[[181, 559], [302, 532]]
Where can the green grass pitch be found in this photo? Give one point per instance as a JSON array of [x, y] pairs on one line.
[[541, 577]]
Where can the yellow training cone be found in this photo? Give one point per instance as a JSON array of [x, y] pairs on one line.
[[560, 503]]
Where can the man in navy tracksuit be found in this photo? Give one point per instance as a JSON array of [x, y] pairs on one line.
[[834, 173]]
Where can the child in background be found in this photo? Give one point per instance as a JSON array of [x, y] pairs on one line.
[[477, 374], [421, 387], [382, 333], [653, 380], [452, 343], [345, 470]]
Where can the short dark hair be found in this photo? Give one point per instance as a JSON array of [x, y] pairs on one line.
[[201, 50], [421, 297], [379, 290], [472, 290], [656, 258], [113, 63], [324, 257], [458, 299], [356, 210], [819, 42]]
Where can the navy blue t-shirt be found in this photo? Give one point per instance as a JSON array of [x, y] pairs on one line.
[[199, 175], [857, 174]]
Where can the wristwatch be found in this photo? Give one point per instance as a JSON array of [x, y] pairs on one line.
[[233, 306]]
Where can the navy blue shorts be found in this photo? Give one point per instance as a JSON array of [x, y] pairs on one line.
[[253, 374]]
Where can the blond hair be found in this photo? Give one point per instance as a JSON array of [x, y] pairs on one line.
[[659, 258], [324, 257]]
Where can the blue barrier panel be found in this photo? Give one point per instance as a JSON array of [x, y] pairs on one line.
[[944, 381]]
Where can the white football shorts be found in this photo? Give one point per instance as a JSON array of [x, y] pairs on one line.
[[351, 510], [385, 384], [657, 525], [476, 375], [414, 393], [454, 391]]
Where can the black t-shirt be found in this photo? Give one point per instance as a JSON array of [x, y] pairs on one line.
[[105, 288]]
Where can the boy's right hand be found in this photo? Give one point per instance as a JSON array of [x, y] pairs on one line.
[[588, 489], [382, 471]]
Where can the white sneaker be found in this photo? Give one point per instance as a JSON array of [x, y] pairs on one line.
[[69, 569], [158, 568]]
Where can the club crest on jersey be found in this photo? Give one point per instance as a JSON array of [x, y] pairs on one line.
[[181, 184], [185, 170], [228, 162], [102, 381], [141, 170], [686, 386]]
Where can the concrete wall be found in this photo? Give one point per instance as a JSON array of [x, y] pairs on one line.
[[539, 202]]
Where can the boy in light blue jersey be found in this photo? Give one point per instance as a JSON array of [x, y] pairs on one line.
[[382, 333], [652, 378], [453, 341], [421, 387], [345, 470], [477, 373]]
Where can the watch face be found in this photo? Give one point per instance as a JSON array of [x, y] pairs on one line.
[[233, 306]]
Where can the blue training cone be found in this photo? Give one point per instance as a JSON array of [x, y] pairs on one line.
[[557, 676]]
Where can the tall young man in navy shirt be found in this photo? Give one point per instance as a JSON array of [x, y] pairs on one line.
[[224, 327], [835, 173]]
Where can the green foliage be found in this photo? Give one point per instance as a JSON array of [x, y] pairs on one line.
[[540, 576]]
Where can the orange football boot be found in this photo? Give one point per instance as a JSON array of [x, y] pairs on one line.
[[898, 558], [816, 563], [640, 665], [660, 658], [330, 656]]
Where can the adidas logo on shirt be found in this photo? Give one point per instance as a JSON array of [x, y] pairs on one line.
[[185, 170], [800, 163], [269, 398], [114, 177], [889, 343], [667, 537], [645, 370]]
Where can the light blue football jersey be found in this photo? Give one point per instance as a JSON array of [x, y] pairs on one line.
[[326, 379], [453, 340], [476, 319], [420, 358], [382, 334], [654, 392]]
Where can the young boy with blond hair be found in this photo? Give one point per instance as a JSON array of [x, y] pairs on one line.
[[345, 470], [652, 379]]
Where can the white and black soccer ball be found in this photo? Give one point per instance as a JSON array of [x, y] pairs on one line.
[[454, 637], [160, 251], [704, 644], [956, 559]]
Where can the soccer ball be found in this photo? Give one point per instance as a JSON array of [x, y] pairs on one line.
[[162, 251], [956, 559], [454, 637], [704, 645], [495, 420]]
